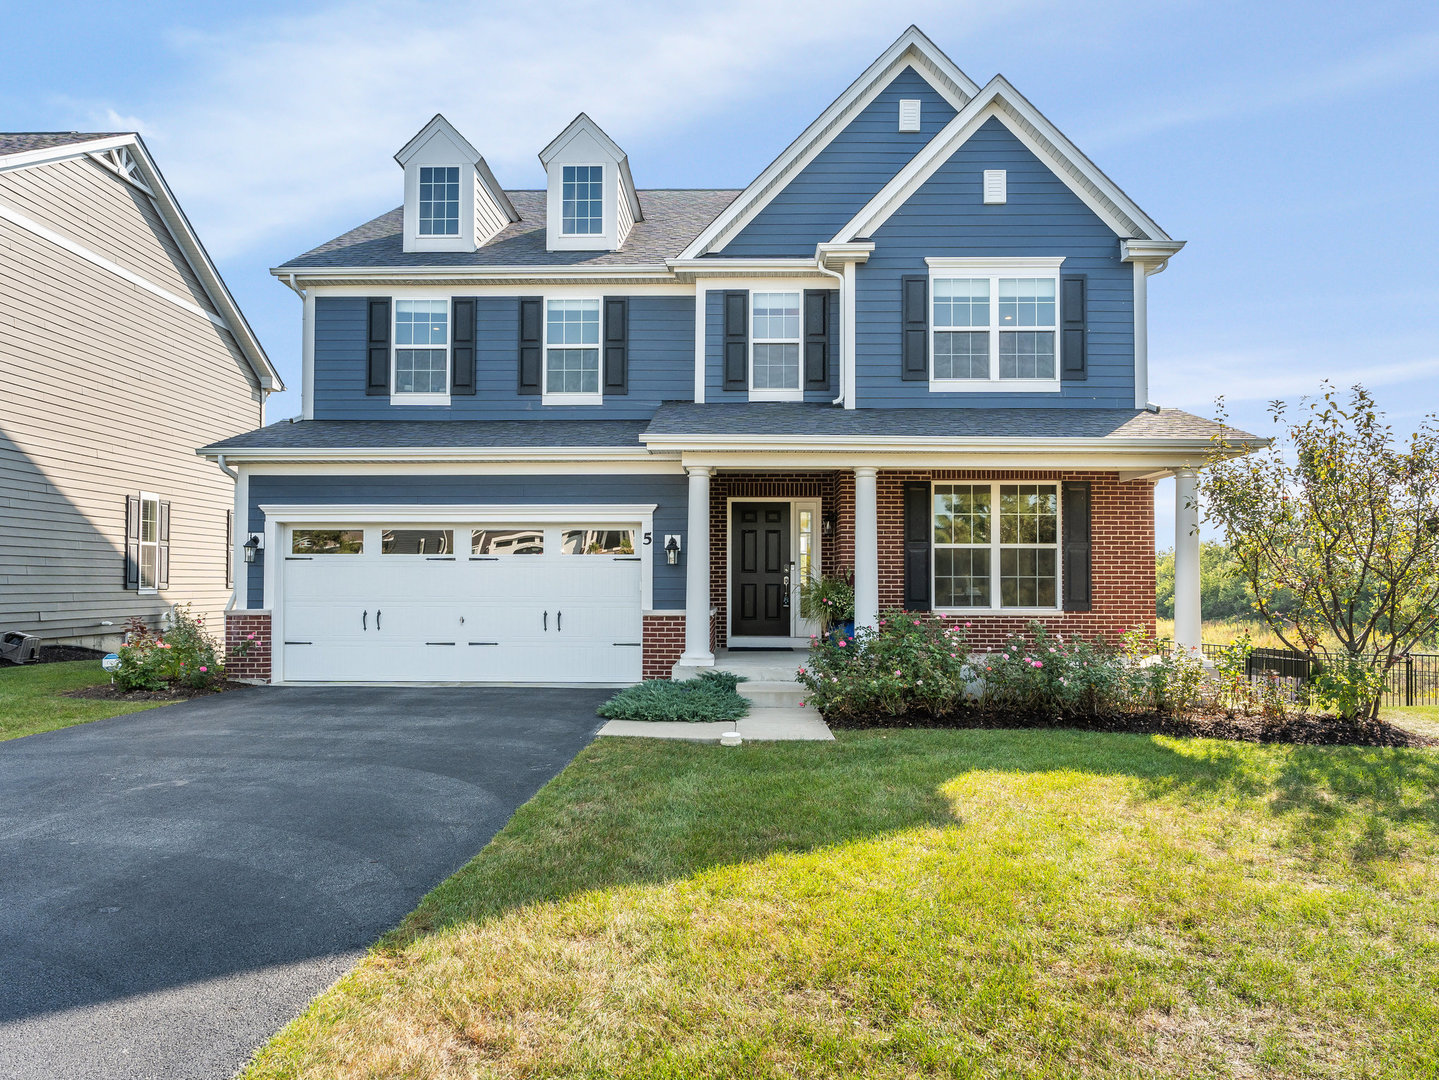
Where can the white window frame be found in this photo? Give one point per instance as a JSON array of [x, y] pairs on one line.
[[548, 398], [459, 204], [994, 269], [408, 397], [995, 547], [154, 588], [583, 165], [771, 393]]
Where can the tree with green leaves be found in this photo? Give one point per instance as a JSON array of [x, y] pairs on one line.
[[1223, 592], [1343, 518]]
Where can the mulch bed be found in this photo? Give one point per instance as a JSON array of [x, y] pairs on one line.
[[1302, 729], [59, 654], [108, 692]]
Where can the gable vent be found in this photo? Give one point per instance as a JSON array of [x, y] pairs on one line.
[[996, 187], [909, 114]]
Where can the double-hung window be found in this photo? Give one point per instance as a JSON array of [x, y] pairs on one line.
[[572, 352], [422, 351], [582, 200], [149, 543], [439, 200], [994, 326], [774, 347], [996, 546]]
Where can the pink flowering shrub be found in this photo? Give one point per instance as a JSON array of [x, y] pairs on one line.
[[906, 666], [185, 654], [1046, 675]]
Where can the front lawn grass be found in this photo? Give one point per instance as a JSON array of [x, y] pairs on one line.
[[921, 903], [1420, 719], [32, 698]]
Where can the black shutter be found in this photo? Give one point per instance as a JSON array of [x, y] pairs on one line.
[[132, 541], [917, 531], [617, 345], [915, 316], [736, 340], [377, 367], [229, 549], [816, 339], [462, 346], [162, 561], [1073, 312], [532, 343], [1078, 564]]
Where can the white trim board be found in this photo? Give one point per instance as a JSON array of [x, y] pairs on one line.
[[911, 49]]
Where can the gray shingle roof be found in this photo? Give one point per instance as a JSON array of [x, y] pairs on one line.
[[18, 142], [775, 418], [672, 219], [419, 434]]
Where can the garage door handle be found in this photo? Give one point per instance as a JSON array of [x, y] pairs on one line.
[[547, 622], [558, 625], [377, 618], [365, 619]]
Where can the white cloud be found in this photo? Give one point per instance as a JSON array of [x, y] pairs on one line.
[[287, 126]]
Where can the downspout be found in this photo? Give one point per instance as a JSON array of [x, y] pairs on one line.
[[235, 479], [839, 368]]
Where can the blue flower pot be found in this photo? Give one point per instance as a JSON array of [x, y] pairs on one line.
[[844, 630]]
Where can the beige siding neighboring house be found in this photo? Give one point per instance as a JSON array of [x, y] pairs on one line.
[[120, 352]]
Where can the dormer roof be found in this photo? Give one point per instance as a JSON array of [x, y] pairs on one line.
[[438, 125], [583, 124]]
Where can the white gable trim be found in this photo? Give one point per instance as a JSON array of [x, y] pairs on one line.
[[911, 49], [163, 199], [1001, 101]]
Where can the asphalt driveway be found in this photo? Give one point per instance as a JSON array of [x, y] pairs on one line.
[[176, 884]]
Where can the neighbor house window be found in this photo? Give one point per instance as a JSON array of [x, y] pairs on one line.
[[422, 354], [149, 543], [572, 351], [996, 545], [993, 328], [439, 200], [583, 197], [774, 348]]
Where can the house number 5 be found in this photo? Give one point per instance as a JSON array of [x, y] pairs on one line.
[[649, 537]]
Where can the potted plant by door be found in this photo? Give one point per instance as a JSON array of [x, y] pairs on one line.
[[830, 602]]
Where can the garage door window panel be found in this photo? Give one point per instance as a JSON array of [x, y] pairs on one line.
[[327, 542], [417, 542], [515, 540], [598, 542]]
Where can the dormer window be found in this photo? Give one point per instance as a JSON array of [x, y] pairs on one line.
[[440, 200], [583, 200]]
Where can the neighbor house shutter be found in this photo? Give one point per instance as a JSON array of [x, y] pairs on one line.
[[736, 340], [914, 314], [229, 549], [917, 531], [1078, 563], [1073, 312], [132, 541], [462, 346], [162, 555], [532, 344], [816, 339], [377, 366], [617, 345]]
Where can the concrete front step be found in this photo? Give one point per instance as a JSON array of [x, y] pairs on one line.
[[761, 725], [767, 694]]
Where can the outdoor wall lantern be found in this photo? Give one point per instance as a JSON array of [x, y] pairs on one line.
[[827, 523], [672, 549], [252, 546]]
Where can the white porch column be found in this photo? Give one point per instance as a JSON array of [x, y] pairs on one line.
[[866, 547], [1186, 559], [697, 573]]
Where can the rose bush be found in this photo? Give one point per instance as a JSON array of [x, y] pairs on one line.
[[183, 655]]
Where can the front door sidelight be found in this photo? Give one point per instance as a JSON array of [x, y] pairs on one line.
[[760, 591]]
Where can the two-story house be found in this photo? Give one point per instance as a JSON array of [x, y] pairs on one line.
[[595, 432], [120, 350]]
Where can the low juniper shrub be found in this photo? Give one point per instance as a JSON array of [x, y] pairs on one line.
[[710, 697]]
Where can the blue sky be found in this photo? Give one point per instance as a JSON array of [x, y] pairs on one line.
[[1293, 145]]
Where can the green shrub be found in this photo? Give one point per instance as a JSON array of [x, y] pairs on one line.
[[711, 697], [1161, 680], [1346, 685], [183, 655], [1044, 675]]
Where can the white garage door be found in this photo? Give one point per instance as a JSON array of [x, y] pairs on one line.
[[460, 603]]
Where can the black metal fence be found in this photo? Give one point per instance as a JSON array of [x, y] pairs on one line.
[[1413, 680]]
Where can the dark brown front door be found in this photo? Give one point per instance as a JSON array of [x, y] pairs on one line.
[[760, 590]]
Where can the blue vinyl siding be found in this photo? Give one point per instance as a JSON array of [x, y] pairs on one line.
[[669, 493], [946, 217], [661, 365], [833, 187], [714, 348]]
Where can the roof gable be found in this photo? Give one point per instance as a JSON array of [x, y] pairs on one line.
[[125, 155], [1000, 101], [846, 174], [910, 49], [582, 126]]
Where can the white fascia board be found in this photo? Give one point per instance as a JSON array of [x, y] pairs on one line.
[[994, 101], [437, 123], [466, 275], [431, 453], [23, 159], [918, 444], [692, 269], [912, 48], [1153, 255]]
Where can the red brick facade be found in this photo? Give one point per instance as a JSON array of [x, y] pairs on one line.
[[254, 666], [664, 641]]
